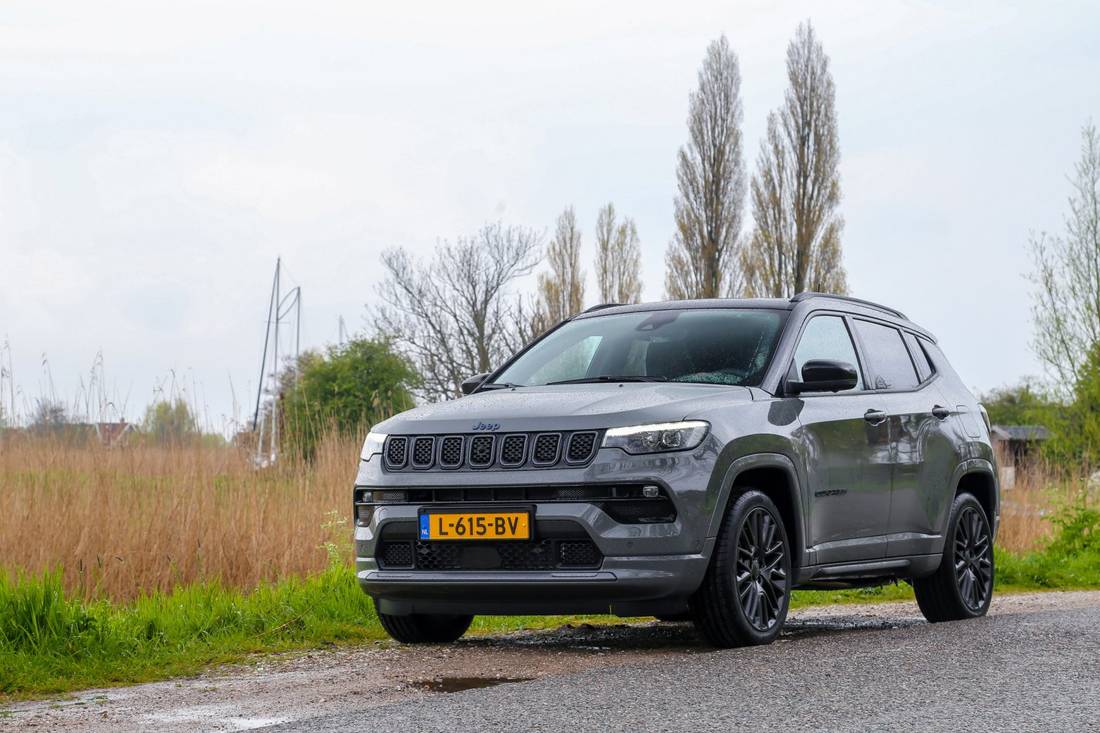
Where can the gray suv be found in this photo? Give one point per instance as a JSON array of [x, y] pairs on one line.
[[693, 459]]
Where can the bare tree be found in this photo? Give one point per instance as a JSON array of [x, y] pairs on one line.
[[452, 316], [795, 244], [561, 291], [702, 261], [1066, 303], [618, 258]]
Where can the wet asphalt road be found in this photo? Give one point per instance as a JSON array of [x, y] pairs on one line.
[[1021, 669]]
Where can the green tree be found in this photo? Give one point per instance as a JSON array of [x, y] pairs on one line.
[[1075, 439], [346, 388], [1022, 404], [170, 422]]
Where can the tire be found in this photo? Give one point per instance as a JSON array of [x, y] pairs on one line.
[[962, 586], [425, 628], [744, 597]]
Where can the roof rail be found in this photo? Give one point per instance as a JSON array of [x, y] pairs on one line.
[[600, 307], [809, 294]]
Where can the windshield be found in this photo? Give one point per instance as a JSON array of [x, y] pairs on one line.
[[710, 346]]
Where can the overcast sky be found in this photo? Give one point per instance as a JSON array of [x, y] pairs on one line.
[[156, 158]]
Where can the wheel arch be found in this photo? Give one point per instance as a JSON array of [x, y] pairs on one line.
[[773, 474], [979, 478]]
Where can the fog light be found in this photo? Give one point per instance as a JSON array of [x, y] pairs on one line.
[[650, 492], [363, 515]]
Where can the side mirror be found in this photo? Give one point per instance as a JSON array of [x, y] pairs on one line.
[[471, 384], [824, 375]]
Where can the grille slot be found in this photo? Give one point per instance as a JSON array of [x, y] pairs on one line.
[[450, 451], [581, 446], [513, 450], [579, 553], [396, 554], [423, 452], [395, 451], [547, 446], [481, 451]]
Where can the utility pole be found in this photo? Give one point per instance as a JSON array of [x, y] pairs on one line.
[[265, 419]]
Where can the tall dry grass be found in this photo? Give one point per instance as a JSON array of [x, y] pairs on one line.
[[1040, 491], [129, 520]]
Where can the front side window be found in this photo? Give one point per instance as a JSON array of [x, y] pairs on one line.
[[826, 337], [730, 346], [887, 357]]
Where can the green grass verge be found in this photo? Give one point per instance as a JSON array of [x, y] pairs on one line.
[[50, 643]]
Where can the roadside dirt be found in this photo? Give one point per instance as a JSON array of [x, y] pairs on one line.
[[280, 689]]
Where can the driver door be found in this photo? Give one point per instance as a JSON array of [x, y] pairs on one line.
[[845, 440]]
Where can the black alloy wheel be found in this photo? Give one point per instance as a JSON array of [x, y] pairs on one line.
[[744, 597], [973, 559], [760, 575], [962, 585]]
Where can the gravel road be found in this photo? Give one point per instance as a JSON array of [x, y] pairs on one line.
[[1033, 664]]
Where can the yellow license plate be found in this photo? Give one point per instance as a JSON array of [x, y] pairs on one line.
[[475, 526]]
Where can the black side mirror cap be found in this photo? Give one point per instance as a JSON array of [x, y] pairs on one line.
[[824, 375], [469, 386]]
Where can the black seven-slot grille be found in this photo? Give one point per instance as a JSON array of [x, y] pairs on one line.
[[512, 450]]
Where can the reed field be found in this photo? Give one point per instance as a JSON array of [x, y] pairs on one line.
[[117, 523], [121, 522]]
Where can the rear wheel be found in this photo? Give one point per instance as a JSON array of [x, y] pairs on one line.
[[962, 586], [425, 628], [744, 597]]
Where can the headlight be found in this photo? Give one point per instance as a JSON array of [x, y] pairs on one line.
[[658, 438], [372, 446]]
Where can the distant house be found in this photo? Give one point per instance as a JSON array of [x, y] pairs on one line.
[[1012, 444]]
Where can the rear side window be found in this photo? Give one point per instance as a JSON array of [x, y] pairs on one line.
[[924, 367], [826, 337], [887, 357]]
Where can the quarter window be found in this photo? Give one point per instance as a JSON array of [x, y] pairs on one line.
[[826, 337], [924, 367], [887, 357]]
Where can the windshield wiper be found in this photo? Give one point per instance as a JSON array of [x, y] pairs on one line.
[[606, 378], [497, 385]]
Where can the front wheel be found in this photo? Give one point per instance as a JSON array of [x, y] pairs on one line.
[[744, 597], [962, 586], [425, 628]]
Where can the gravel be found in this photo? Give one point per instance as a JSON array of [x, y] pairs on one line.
[[1033, 664]]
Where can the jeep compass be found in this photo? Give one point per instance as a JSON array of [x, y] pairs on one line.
[[693, 459]]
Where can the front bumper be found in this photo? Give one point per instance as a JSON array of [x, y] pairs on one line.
[[626, 586], [645, 568]]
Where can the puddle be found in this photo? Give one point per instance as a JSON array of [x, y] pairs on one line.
[[458, 684]]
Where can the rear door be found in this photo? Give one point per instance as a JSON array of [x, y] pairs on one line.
[[844, 437]]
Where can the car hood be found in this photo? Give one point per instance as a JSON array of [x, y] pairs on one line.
[[564, 407]]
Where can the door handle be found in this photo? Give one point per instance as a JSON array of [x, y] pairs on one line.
[[875, 417], [941, 412]]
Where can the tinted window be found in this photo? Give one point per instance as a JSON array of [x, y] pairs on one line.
[[924, 367], [826, 337], [887, 358], [713, 345]]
